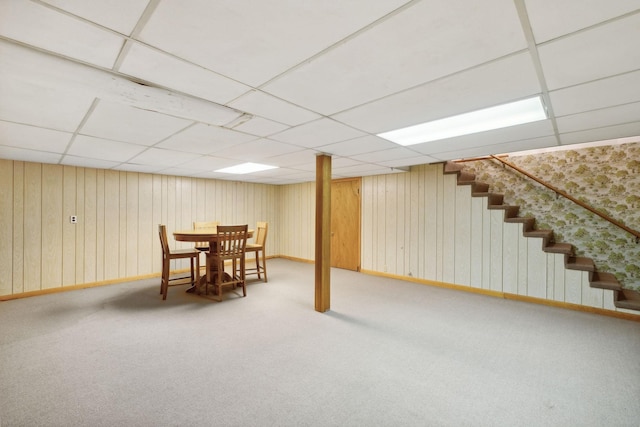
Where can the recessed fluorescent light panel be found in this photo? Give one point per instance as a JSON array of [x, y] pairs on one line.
[[501, 116], [246, 168]]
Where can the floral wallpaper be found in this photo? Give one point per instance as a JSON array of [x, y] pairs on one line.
[[605, 177]]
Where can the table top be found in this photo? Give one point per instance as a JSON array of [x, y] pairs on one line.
[[199, 235]]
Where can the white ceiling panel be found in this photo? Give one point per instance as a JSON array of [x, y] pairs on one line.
[[507, 147], [185, 87], [605, 93], [13, 153], [621, 114], [490, 84], [119, 15], [317, 133], [514, 133], [40, 26], [257, 151], [552, 18], [120, 122], [88, 162], [254, 42], [99, 148], [205, 139], [355, 146], [168, 71], [27, 103], [408, 49], [160, 156], [33, 138], [613, 49], [261, 104], [261, 127], [610, 132]]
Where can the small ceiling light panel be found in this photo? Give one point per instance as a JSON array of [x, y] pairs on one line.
[[245, 168], [501, 116]]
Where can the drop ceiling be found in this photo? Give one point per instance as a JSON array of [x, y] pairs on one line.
[[192, 86]]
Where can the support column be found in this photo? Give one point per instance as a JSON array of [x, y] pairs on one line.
[[323, 232]]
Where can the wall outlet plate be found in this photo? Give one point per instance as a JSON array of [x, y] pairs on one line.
[[73, 219]]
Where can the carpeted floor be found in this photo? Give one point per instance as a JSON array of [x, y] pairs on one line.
[[389, 353]]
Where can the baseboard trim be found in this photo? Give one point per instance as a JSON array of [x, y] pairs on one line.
[[509, 296]]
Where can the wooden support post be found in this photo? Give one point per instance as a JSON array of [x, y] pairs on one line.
[[323, 232]]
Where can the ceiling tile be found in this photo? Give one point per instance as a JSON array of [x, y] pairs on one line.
[[261, 127], [552, 18], [354, 146], [490, 84], [87, 163], [99, 148], [123, 123], [13, 153], [256, 151], [506, 147], [26, 103], [609, 132], [33, 138], [207, 163], [396, 153], [168, 71], [133, 167], [119, 15], [411, 161], [603, 93], [41, 26], [599, 118], [255, 43], [205, 139], [406, 50], [159, 156], [261, 104], [317, 133], [514, 133], [613, 49], [302, 157]]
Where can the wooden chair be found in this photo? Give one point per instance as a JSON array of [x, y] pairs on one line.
[[257, 247], [168, 255], [204, 246], [228, 245]]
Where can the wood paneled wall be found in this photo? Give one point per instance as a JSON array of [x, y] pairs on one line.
[[423, 225], [297, 218], [118, 215]]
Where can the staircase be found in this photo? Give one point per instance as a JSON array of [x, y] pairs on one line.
[[623, 298]]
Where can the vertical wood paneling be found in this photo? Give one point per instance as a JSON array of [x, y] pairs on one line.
[[573, 290], [122, 235], [551, 267], [477, 253], [145, 224], [430, 217], [448, 229], [18, 227], [132, 207], [391, 246], [6, 227], [462, 236], [537, 271], [401, 226], [510, 258], [591, 297], [367, 223], [32, 226], [90, 226], [100, 230], [52, 186], [487, 222], [111, 224], [157, 218], [497, 223], [69, 194], [558, 278], [380, 231], [415, 236], [523, 262]]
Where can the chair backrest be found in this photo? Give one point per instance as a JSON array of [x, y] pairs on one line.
[[162, 231], [198, 225], [230, 240], [261, 234]]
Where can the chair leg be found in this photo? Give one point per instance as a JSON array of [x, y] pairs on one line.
[[257, 253], [264, 264]]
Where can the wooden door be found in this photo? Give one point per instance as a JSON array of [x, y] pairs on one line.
[[345, 223]]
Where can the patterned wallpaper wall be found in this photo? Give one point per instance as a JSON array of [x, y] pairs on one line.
[[605, 177]]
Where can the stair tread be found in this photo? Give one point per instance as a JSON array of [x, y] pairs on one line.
[[559, 248], [579, 263], [604, 280], [628, 299], [538, 233]]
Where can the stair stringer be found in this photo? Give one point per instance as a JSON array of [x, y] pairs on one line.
[[614, 297]]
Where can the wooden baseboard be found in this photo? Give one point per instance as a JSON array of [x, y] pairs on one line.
[[509, 296]]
